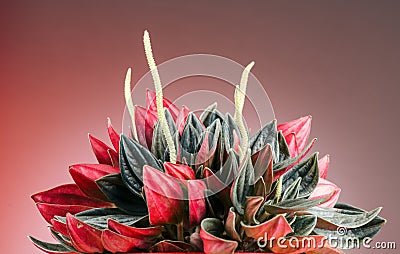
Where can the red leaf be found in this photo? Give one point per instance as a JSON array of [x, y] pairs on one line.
[[59, 227], [292, 144], [145, 121], [114, 158], [170, 246], [152, 106], [114, 136], [236, 141], [115, 242], [180, 171], [323, 165], [213, 244], [100, 150], [133, 232], [326, 189], [278, 173], [181, 119], [302, 128], [164, 196], [85, 176], [197, 202], [325, 250], [84, 238], [68, 194], [48, 211], [251, 208], [291, 246], [231, 225], [273, 228]]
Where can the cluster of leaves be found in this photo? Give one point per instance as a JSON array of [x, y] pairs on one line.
[[211, 201]]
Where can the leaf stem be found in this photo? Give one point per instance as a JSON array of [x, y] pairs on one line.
[[179, 231]]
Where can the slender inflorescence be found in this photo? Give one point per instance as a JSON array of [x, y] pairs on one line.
[[240, 95], [159, 96], [128, 100]]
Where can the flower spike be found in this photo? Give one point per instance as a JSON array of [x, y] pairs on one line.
[[128, 100], [159, 96], [240, 95]]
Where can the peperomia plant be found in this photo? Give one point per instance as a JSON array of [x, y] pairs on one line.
[[186, 183]]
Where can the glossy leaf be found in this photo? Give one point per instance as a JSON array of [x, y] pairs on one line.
[[48, 211], [100, 150], [243, 185], [266, 135], [284, 150], [307, 171], [211, 114], [116, 191], [197, 202], [84, 238], [210, 233], [67, 194], [145, 121], [283, 166], [252, 207], [164, 197], [232, 224], [346, 241], [51, 248], [328, 190], [274, 228], [135, 232], [115, 242], [292, 191], [133, 157], [179, 171], [303, 225], [331, 218], [230, 132], [323, 165], [302, 128], [293, 205], [114, 136], [85, 175], [181, 119], [170, 246]]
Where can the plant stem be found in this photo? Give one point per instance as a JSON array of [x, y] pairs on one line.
[[179, 231]]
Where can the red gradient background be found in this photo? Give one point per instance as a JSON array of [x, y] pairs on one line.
[[62, 65]]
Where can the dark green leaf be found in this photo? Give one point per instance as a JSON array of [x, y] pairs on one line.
[[303, 225], [292, 191], [243, 185], [133, 157], [292, 205], [284, 152], [49, 247], [347, 238], [343, 217], [62, 241], [266, 135], [159, 143], [309, 174], [98, 217], [285, 164], [210, 114], [190, 139], [116, 191], [228, 127]]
